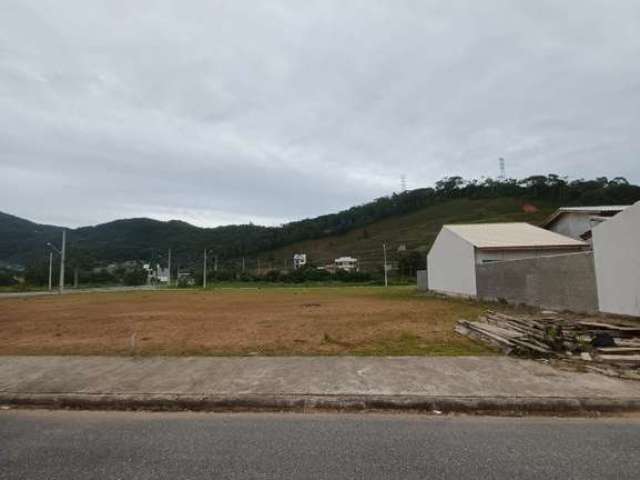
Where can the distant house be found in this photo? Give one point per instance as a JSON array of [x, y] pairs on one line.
[[185, 278], [348, 264], [577, 222], [299, 260], [162, 274], [616, 254], [157, 274], [458, 249]]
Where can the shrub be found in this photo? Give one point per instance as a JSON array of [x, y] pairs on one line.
[[135, 277], [6, 279]]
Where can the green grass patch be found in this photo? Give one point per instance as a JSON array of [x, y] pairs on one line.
[[408, 344]]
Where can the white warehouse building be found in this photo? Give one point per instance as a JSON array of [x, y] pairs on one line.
[[616, 254], [452, 260], [577, 222]]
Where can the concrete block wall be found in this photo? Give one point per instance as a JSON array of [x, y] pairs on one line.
[[559, 282], [422, 280]]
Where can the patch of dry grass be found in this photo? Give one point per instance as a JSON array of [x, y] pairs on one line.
[[318, 321]]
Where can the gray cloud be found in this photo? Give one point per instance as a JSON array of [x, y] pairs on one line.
[[224, 112]]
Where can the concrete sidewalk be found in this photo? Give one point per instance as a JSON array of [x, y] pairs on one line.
[[464, 384]]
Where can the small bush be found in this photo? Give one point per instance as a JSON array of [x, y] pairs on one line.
[[7, 280], [135, 277]]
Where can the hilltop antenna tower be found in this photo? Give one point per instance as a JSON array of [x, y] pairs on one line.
[[502, 175]]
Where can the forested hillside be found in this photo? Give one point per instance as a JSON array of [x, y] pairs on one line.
[[407, 237], [21, 240], [407, 221]]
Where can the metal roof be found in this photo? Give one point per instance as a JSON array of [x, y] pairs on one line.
[[518, 235], [596, 210], [346, 259]]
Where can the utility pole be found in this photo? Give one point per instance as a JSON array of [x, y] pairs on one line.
[[204, 270], [384, 252], [243, 264], [50, 271], [62, 258], [215, 262], [169, 269]]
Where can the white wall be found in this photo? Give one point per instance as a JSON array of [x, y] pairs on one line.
[[483, 256], [451, 265], [572, 224], [616, 251]]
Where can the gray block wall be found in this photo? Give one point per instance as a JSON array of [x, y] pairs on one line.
[[560, 282], [422, 280]]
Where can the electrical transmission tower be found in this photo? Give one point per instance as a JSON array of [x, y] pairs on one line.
[[403, 183], [502, 174]]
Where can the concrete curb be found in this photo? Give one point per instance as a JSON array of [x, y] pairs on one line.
[[301, 403]]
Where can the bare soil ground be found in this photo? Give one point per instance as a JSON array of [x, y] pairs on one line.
[[312, 321]]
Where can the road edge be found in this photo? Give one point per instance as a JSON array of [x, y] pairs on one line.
[[505, 406]]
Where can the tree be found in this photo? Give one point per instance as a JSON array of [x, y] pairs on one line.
[[448, 185], [410, 262], [136, 276], [618, 181], [6, 279], [37, 273]]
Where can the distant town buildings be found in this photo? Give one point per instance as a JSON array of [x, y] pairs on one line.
[[299, 260], [348, 264], [345, 264], [186, 278], [162, 274], [157, 274], [577, 222]]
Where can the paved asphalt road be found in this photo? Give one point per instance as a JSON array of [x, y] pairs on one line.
[[40, 293], [85, 445]]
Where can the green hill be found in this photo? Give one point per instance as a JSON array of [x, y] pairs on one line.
[[407, 222], [20, 237], [414, 231]]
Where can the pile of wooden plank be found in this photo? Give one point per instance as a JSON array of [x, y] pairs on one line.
[[608, 347]]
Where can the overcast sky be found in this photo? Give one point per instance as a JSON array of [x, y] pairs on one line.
[[219, 112]]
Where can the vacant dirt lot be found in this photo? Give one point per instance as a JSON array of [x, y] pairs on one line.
[[321, 321]]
